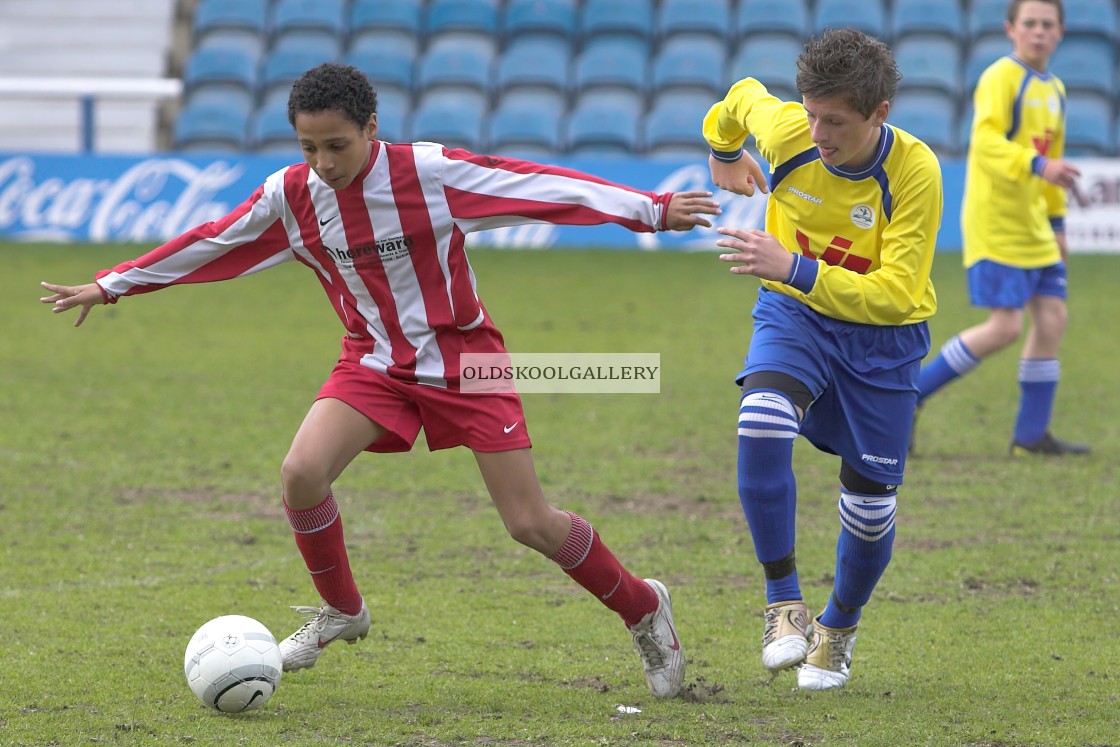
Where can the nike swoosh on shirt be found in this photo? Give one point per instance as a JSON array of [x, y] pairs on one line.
[[328, 220]]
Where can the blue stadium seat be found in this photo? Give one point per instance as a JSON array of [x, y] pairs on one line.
[[209, 94], [982, 54], [790, 17], [539, 17], [548, 99], [230, 66], [770, 59], [523, 129], [986, 18], [1089, 127], [307, 15], [711, 18], [393, 109], [1086, 64], [211, 127], [250, 42], [467, 65], [602, 129], [927, 17], [537, 61], [454, 121], [269, 130], [387, 62], [866, 15], [616, 18], [379, 15], [470, 16], [612, 61], [283, 64], [244, 15], [308, 42], [1091, 18], [673, 126], [930, 117], [929, 62], [690, 62]]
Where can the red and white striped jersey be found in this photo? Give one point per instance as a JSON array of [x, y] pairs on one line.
[[388, 249]]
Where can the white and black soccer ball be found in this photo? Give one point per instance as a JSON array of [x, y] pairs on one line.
[[233, 664]]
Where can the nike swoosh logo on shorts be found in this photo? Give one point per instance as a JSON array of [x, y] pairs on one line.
[[509, 428]]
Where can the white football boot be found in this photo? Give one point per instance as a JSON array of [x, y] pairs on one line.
[[301, 649], [655, 637]]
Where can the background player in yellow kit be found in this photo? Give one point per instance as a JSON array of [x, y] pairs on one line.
[[839, 326], [1012, 219]]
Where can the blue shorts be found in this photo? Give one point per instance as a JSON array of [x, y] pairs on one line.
[[995, 286], [863, 378]]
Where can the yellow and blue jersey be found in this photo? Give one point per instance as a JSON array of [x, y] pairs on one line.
[[1009, 213], [872, 231]]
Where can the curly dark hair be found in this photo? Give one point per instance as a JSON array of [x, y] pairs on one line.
[[848, 63], [332, 86]]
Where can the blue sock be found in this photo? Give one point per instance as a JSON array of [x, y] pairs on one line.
[[953, 361], [768, 426], [862, 554], [1038, 383]]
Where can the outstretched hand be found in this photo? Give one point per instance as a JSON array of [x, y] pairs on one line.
[[69, 296], [1062, 173], [683, 206], [742, 177]]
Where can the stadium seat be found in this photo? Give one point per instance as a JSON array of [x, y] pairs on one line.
[[929, 62], [1090, 18], [211, 127], [243, 15], [249, 42], [269, 130], [461, 16], [402, 16], [929, 117], [770, 59], [986, 18], [673, 126], [982, 54], [557, 17], [523, 129], [536, 61], [614, 18], [393, 109], [1086, 64], [548, 99], [307, 15], [283, 64], [612, 61], [866, 15], [209, 94], [710, 18], [922, 17], [790, 17], [690, 61], [1089, 127], [229, 66], [456, 64], [602, 129], [454, 121], [308, 42], [387, 62]]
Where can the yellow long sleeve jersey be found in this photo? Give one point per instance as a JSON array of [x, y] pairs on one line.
[[1009, 213], [870, 231]]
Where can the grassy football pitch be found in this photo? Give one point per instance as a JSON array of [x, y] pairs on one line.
[[139, 497]]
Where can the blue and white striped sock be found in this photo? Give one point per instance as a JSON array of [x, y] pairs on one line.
[[863, 552], [1038, 385], [953, 361]]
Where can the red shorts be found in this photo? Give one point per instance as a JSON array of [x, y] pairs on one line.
[[482, 421]]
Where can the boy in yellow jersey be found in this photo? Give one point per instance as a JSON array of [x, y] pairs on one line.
[[1012, 219], [839, 326]]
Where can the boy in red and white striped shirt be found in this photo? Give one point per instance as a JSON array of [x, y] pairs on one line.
[[382, 227]]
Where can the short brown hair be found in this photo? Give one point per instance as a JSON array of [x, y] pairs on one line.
[[848, 63], [1014, 5]]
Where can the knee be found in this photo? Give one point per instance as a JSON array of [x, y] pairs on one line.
[[544, 533], [303, 479], [1006, 331]]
